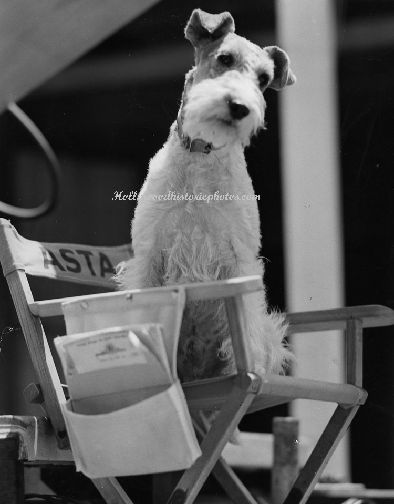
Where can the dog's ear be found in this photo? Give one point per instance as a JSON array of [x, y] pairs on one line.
[[283, 76], [203, 27]]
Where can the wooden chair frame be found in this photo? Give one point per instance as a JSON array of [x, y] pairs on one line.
[[233, 396]]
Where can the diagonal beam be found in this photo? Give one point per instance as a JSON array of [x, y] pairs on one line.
[[212, 446], [325, 447], [40, 38], [111, 491], [232, 485], [225, 475]]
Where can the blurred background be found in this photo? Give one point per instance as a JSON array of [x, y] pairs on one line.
[[107, 114]]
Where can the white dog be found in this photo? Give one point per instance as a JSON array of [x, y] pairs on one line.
[[197, 218]]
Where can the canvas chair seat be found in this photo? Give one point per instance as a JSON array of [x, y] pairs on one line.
[[232, 396]]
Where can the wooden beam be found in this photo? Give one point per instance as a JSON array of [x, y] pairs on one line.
[[40, 353], [219, 434], [224, 474], [194, 292], [38, 39], [338, 318], [235, 309], [325, 447], [285, 466], [354, 352], [352, 491], [111, 491]]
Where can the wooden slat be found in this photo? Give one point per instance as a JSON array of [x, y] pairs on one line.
[[223, 288], [219, 434], [352, 491], [225, 475], [302, 388], [324, 320], [111, 491], [40, 353], [38, 39], [209, 393], [235, 310], [354, 352], [232, 484], [325, 447], [194, 292], [274, 390]]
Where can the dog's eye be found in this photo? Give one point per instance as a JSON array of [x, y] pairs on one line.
[[226, 60], [263, 79]]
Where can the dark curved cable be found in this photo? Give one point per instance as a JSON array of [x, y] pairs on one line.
[[53, 170]]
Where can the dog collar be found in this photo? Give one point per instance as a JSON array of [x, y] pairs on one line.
[[195, 144]]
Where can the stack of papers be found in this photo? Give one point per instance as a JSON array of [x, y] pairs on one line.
[[113, 368]]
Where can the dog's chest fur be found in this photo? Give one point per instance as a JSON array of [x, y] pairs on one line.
[[200, 229]]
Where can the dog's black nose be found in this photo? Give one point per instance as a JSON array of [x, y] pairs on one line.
[[237, 110]]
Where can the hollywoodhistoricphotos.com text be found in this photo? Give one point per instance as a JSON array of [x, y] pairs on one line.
[[174, 196]]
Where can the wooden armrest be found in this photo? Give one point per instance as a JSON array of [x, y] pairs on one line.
[[223, 288], [325, 320], [194, 292], [212, 393]]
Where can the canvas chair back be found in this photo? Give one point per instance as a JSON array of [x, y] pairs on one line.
[[83, 264]]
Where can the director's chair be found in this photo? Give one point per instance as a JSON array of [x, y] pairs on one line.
[[39, 440]]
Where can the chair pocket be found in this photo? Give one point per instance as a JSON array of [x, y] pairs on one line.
[[154, 435]]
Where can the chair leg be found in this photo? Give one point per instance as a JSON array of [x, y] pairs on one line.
[[163, 484], [220, 432], [232, 485], [11, 476], [225, 476], [317, 461], [111, 491]]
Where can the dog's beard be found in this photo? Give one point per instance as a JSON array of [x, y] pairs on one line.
[[207, 113]]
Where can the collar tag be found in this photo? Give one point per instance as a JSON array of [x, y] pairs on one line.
[[195, 145], [199, 145]]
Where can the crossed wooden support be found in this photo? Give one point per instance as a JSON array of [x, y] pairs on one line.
[[38, 440]]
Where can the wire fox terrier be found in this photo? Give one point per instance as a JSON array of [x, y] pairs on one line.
[[197, 218]]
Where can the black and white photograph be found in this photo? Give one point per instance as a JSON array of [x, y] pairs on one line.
[[197, 252]]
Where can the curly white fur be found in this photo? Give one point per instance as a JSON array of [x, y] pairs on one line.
[[181, 241], [189, 241]]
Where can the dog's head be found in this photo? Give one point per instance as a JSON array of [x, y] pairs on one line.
[[223, 99]]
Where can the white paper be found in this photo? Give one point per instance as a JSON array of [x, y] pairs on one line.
[[105, 350], [115, 361]]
